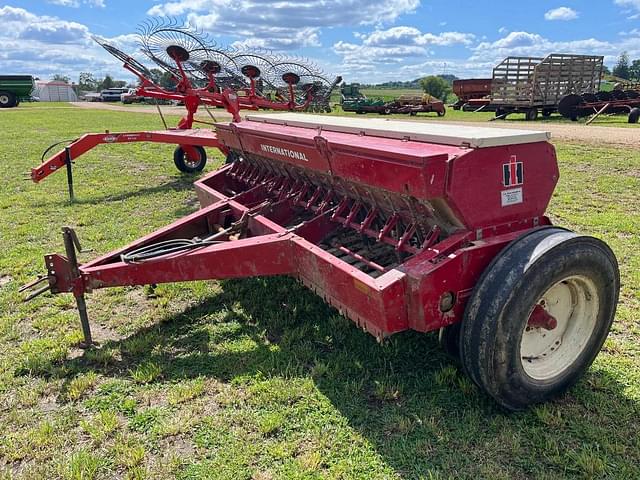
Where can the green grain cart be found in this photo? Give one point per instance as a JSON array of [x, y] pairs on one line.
[[14, 88]]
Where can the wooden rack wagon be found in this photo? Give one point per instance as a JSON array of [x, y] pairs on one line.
[[531, 85]]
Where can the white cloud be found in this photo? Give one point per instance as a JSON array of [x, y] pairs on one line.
[[393, 53], [534, 45], [561, 13], [43, 45], [283, 24], [630, 6], [20, 24], [398, 36], [77, 3]]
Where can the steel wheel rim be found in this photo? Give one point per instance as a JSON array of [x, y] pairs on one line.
[[4, 98], [574, 303], [191, 163]]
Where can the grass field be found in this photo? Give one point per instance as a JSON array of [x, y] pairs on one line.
[[260, 379]]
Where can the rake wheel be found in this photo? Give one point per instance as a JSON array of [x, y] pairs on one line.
[[171, 45]]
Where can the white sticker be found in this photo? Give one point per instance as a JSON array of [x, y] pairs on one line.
[[512, 197]]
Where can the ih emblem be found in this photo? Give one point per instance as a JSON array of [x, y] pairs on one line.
[[512, 173]]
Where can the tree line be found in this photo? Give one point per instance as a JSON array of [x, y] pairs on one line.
[[87, 81], [626, 68]]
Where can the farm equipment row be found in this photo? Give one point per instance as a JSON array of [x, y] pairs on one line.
[[400, 226], [618, 101], [352, 100], [531, 85]]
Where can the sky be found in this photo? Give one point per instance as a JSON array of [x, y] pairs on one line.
[[364, 41]]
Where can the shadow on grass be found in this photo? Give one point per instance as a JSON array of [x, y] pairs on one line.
[[420, 413], [84, 197]]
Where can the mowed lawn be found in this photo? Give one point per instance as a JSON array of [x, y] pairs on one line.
[[259, 379]]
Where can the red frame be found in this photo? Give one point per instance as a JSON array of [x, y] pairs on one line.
[[463, 186]]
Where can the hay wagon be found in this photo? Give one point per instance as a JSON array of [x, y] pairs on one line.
[[533, 85]]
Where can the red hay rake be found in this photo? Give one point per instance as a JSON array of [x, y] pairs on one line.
[[207, 76]]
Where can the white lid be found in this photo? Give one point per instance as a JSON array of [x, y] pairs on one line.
[[441, 133]]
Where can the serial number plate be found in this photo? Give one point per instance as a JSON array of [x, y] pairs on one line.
[[512, 196]]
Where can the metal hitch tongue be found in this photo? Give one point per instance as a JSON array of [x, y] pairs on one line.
[[71, 243], [64, 276]]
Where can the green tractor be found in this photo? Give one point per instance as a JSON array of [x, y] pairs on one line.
[[352, 100], [14, 88]]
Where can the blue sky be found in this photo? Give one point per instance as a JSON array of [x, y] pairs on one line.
[[365, 41]]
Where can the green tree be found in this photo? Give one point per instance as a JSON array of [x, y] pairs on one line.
[[61, 78], [436, 86], [87, 82], [164, 79], [634, 70], [107, 82], [621, 70]]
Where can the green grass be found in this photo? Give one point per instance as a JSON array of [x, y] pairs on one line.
[[259, 378]]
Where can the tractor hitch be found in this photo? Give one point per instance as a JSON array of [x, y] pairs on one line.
[[63, 275], [39, 291]]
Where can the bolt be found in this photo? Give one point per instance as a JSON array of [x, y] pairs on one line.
[[447, 301]]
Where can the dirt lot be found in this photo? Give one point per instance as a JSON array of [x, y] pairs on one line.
[[629, 137], [568, 132]]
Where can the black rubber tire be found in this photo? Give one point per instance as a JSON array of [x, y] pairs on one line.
[[546, 113], [179, 158], [449, 340], [618, 95], [531, 114], [500, 112], [568, 106], [443, 112], [499, 308], [8, 100], [231, 157], [634, 115]]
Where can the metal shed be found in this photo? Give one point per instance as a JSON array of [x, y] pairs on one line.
[[55, 91]]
